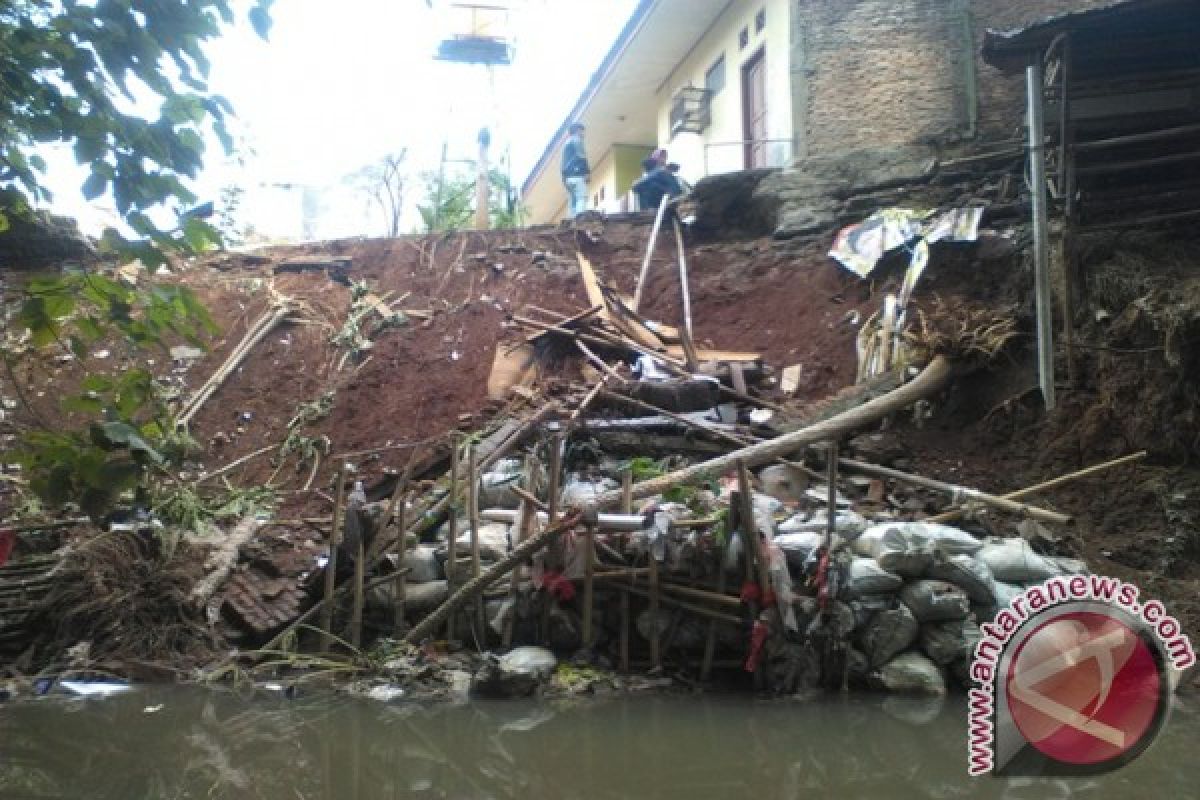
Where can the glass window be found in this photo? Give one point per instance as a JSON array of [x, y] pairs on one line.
[[714, 79]]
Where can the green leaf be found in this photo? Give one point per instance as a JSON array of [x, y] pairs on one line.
[[94, 186]]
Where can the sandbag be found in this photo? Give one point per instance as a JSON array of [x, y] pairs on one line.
[[419, 598], [798, 548], [423, 564], [932, 601], [948, 539], [967, 573], [847, 524], [865, 577], [1013, 561], [493, 541], [495, 485], [887, 634], [948, 641], [896, 550], [912, 672]]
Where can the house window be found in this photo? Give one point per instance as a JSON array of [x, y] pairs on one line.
[[714, 79], [760, 20], [743, 38]]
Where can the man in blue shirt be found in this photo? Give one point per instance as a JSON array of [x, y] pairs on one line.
[[656, 182], [575, 171]]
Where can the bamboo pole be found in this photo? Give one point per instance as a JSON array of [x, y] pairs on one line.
[[655, 595], [331, 565], [710, 640], [356, 614], [497, 571], [750, 531], [267, 324], [948, 516], [702, 594], [1011, 506], [473, 517], [645, 273], [685, 292], [930, 381], [400, 587], [452, 533], [626, 508], [702, 611], [589, 584]]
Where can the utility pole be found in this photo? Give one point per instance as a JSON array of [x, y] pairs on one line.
[[483, 189]]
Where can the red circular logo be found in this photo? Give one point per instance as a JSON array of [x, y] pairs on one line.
[[1084, 688]]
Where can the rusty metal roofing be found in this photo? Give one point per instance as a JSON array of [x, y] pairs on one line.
[[269, 588], [1008, 49]]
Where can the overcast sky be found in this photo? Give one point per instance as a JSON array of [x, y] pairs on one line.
[[341, 84]]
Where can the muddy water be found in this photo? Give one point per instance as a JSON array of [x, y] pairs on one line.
[[180, 743]]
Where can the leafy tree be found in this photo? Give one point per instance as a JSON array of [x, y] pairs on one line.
[[453, 207], [384, 182], [80, 73]]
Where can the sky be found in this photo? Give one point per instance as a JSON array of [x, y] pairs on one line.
[[339, 85]]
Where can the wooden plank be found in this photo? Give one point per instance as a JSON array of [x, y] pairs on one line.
[[702, 354], [511, 367], [591, 285]]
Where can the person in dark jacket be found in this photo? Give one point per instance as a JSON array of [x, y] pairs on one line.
[[656, 183], [575, 171]]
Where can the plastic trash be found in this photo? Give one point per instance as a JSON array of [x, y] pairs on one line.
[[94, 688], [887, 634], [967, 573], [798, 547], [933, 601], [786, 484], [385, 694], [847, 524], [912, 672], [1013, 561], [865, 577], [579, 492], [535, 661]]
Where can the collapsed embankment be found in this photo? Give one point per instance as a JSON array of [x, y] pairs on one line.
[[384, 396]]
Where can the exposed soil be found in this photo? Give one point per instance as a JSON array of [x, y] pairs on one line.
[[1135, 372]]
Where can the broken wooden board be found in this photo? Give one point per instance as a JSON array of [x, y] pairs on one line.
[[511, 367], [591, 285], [629, 323], [568, 323], [702, 355], [789, 380]]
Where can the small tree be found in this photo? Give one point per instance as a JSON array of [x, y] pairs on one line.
[[383, 182], [453, 208]]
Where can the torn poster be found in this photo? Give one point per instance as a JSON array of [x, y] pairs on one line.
[[860, 247]]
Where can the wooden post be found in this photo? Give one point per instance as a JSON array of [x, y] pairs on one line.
[[641, 283], [750, 529], [831, 512], [655, 594], [400, 587], [683, 282], [556, 443], [356, 614], [710, 641], [526, 519], [1041, 232], [483, 187], [626, 508], [452, 532], [589, 585], [473, 516], [331, 565]]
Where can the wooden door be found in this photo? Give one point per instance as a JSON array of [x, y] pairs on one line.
[[754, 109]]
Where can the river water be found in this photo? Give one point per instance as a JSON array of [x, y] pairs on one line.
[[190, 743]]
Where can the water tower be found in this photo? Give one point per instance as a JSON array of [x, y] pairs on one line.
[[478, 34]]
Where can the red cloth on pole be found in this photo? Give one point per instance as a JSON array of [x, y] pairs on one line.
[[8, 538]]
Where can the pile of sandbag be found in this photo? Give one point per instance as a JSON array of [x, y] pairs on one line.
[[917, 593]]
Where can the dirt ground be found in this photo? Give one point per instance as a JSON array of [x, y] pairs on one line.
[[783, 299]]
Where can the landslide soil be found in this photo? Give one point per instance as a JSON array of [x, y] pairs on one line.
[[786, 300]]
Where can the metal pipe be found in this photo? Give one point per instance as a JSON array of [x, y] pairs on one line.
[[1041, 250]]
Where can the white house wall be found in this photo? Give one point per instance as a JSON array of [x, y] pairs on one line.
[[719, 149]]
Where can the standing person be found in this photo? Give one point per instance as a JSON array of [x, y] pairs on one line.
[[575, 171]]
